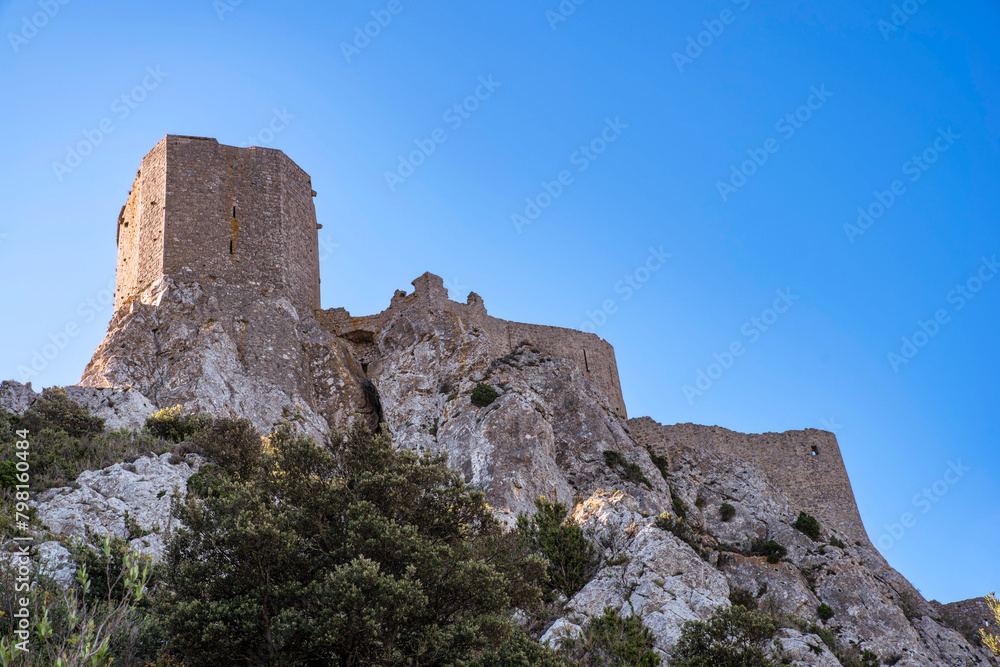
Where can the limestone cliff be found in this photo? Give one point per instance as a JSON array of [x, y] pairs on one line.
[[231, 352]]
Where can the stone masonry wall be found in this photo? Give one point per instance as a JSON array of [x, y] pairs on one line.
[[239, 217], [806, 465], [140, 228], [594, 355]]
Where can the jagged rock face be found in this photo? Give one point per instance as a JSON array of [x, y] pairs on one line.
[[544, 435], [100, 500], [229, 353], [15, 397], [666, 580]]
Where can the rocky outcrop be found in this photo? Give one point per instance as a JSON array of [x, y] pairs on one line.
[[229, 352], [128, 500], [15, 397]]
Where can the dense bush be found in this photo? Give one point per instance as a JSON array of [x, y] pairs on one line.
[[170, 424], [8, 472], [773, 551], [483, 395], [824, 612], [54, 409], [808, 525], [727, 512], [628, 470], [734, 637], [66, 440], [349, 553], [743, 598], [234, 444], [610, 640], [570, 555], [8, 424]]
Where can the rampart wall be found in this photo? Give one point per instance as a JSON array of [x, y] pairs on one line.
[[806, 465], [595, 356]]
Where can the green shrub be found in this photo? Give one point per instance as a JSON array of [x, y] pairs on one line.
[[483, 395], [836, 542], [773, 551], [727, 512], [8, 424], [680, 509], [520, 651], [571, 557], [807, 525], [661, 462], [57, 458], [611, 640], [170, 424], [348, 553], [824, 612], [232, 443], [54, 409], [734, 637], [743, 598], [8, 472], [629, 471]]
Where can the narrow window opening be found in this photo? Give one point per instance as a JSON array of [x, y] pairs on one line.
[[586, 363], [815, 450], [234, 211], [230, 247]]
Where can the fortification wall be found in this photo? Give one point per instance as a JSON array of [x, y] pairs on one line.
[[968, 617], [595, 356], [140, 228], [221, 215], [806, 465]]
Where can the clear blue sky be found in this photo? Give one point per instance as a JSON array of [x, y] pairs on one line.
[[879, 97]]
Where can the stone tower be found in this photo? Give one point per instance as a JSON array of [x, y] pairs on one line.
[[237, 217]]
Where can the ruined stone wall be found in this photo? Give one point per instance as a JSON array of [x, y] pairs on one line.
[[140, 228], [221, 216], [806, 465], [595, 357], [968, 617]]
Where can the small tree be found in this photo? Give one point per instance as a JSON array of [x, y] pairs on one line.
[[733, 637], [54, 409], [726, 512], [346, 554], [232, 443], [570, 554]]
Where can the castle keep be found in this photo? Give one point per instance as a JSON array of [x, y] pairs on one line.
[[240, 224], [203, 212]]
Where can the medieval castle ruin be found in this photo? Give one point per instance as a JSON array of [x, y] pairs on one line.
[[241, 222]]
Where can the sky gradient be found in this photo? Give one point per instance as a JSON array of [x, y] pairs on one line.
[[668, 177]]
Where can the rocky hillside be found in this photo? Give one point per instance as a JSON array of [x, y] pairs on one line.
[[550, 432]]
